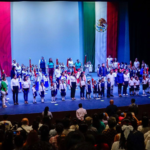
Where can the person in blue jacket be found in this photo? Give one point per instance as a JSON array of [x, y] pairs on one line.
[[102, 70], [120, 81]]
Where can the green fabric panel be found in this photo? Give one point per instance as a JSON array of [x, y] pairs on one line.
[[89, 31]]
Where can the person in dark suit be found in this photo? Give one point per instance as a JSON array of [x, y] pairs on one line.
[[111, 110], [133, 107], [13, 72]]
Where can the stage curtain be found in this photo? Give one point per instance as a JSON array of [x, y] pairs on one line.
[[139, 29], [5, 37], [89, 31], [112, 29], [123, 53]]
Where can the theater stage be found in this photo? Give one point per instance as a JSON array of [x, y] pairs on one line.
[[67, 105]]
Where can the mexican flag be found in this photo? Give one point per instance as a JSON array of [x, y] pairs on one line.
[[100, 30]]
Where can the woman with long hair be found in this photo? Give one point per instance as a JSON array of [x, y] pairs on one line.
[[25, 89], [51, 66], [73, 84], [82, 85], [13, 72], [122, 143], [46, 113]]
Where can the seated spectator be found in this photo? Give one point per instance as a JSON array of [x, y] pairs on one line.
[[105, 118], [23, 133], [83, 128], [7, 123], [74, 138], [121, 144], [35, 126], [83, 146], [2, 133], [38, 119], [44, 133], [8, 141], [145, 125], [74, 125], [59, 129], [46, 113], [32, 138], [66, 124], [53, 132], [133, 107], [111, 109], [135, 139], [18, 142], [81, 112], [109, 134], [88, 121], [98, 124], [120, 115], [25, 125]]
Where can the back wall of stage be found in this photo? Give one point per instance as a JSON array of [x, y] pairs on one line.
[[49, 29]]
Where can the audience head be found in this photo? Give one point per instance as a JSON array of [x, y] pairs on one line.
[[59, 128], [44, 130], [83, 128], [18, 141], [80, 105], [88, 121], [111, 102], [145, 121], [5, 117], [35, 125], [66, 123], [112, 122], [134, 124], [83, 146], [25, 121], [73, 138], [132, 100]]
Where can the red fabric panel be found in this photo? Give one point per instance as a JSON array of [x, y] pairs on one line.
[[5, 37], [112, 29]]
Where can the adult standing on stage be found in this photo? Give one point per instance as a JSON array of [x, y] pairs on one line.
[[73, 84], [126, 82], [13, 72], [18, 69], [42, 64], [50, 65], [15, 86], [78, 65], [120, 81], [136, 63], [3, 90], [112, 81], [25, 88], [103, 70]]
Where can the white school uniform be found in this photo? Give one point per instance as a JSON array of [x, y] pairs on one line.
[[57, 73], [63, 88], [72, 79], [42, 89], [90, 67], [126, 77], [34, 94], [18, 69], [131, 82], [109, 61], [112, 78], [136, 64]]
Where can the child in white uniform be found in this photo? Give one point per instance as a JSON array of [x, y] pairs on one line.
[[137, 85], [42, 91], [131, 85], [34, 94], [46, 82], [62, 89], [144, 82], [53, 89], [89, 89]]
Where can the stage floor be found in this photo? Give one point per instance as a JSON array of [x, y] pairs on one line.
[[68, 104]]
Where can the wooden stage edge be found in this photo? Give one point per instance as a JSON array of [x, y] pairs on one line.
[[59, 115]]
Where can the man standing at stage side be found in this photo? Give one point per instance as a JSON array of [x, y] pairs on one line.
[[42, 64], [112, 81], [81, 112], [102, 70]]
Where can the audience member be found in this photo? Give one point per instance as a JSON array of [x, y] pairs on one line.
[[111, 109], [18, 142], [38, 119], [109, 134], [74, 125], [7, 123], [44, 132], [81, 112], [88, 121], [133, 107], [25, 125], [46, 113]]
